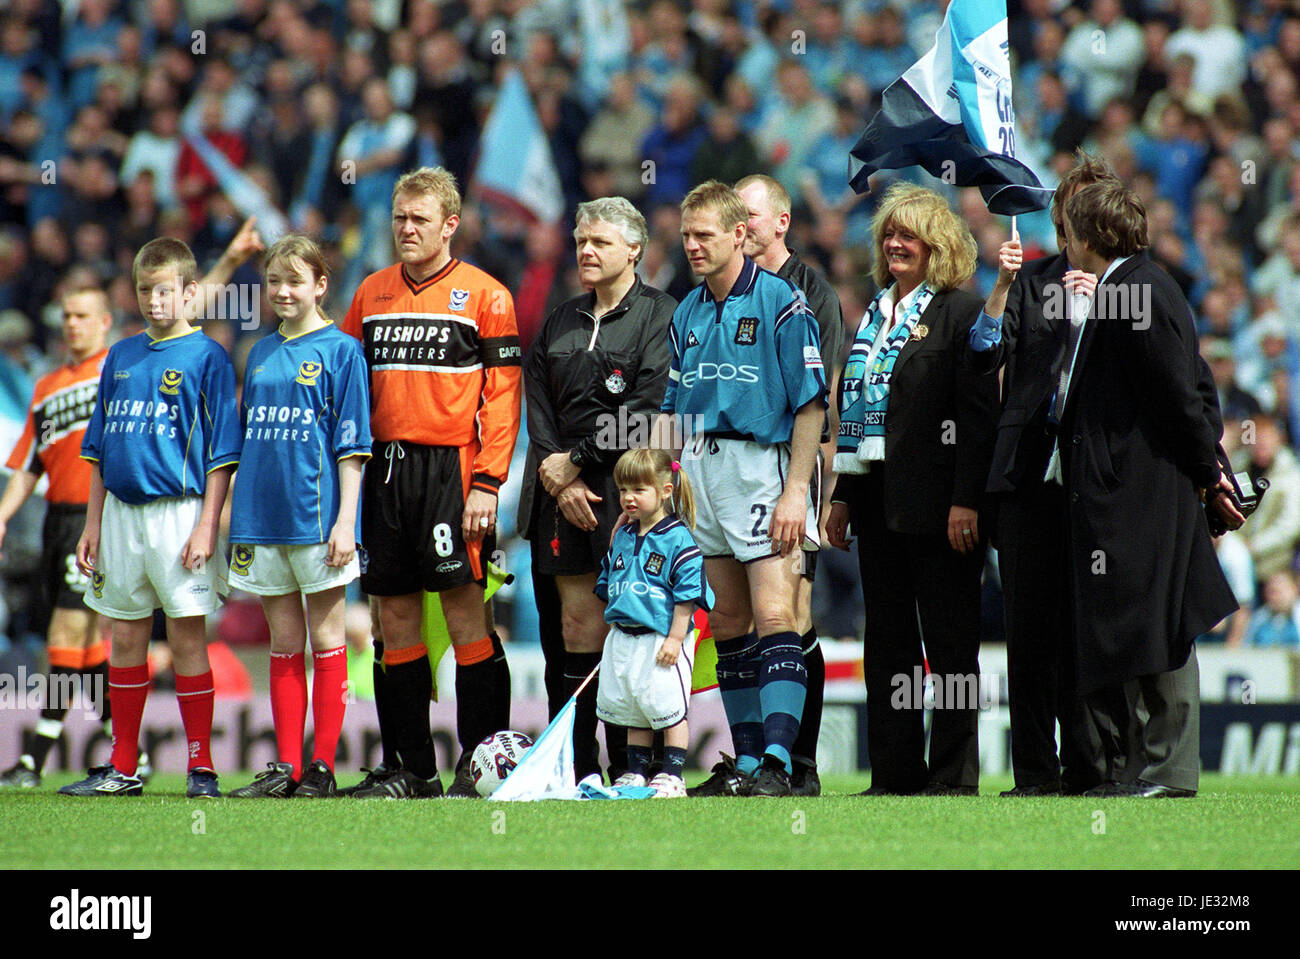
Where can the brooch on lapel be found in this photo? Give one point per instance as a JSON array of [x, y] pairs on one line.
[[920, 332]]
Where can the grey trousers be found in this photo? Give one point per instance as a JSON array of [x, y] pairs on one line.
[[1149, 728]]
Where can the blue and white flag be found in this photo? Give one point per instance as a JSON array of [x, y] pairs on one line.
[[546, 769], [515, 163], [242, 190], [951, 114]]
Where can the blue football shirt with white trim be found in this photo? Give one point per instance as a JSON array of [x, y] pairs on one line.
[[643, 577], [164, 417], [305, 406], [746, 364]]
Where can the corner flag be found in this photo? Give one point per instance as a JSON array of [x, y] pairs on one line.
[[951, 114]]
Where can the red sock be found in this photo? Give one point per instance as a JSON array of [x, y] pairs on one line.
[[194, 693], [289, 706], [329, 696], [128, 688]]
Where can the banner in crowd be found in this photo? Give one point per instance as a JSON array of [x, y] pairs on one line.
[[515, 164]]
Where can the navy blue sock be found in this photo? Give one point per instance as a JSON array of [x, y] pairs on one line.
[[638, 759], [675, 761], [804, 749], [738, 684], [782, 686]]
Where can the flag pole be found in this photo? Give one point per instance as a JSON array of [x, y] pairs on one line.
[[590, 677]]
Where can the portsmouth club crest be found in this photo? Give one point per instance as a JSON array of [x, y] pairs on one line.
[[615, 382], [655, 564], [458, 299], [171, 382], [308, 373], [747, 331], [241, 558]]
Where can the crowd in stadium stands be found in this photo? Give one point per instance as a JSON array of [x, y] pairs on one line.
[[325, 102]]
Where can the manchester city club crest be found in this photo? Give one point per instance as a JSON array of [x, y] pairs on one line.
[[241, 557], [171, 382], [654, 564], [308, 373], [457, 299], [747, 331], [615, 382]]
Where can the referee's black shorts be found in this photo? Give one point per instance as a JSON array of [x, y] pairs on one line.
[[562, 549]]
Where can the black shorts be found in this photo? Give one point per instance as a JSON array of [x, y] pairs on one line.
[[63, 585], [580, 552], [412, 504]]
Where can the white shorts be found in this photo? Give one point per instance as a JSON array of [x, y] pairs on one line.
[[736, 484], [139, 564], [637, 692], [271, 570]]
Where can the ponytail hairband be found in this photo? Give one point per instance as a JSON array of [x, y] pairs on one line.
[[676, 466]]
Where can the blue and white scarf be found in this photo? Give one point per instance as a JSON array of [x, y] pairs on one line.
[[867, 373]]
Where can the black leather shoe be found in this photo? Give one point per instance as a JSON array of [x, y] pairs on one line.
[[1146, 790], [1111, 790], [883, 791], [945, 789], [1041, 789]]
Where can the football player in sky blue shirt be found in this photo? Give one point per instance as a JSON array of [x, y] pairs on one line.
[[293, 522], [746, 376]]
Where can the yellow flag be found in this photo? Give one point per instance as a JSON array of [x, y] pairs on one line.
[[434, 626]]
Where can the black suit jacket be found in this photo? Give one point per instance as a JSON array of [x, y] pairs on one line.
[[1034, 335], [939, 423], [1031, 348], [1137, 441]]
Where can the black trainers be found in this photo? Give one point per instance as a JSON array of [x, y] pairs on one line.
[[20, 776], [373, 777], [805, 781], [726, 780], [462, 787], [104, 781], [317, 782], [772, 779], [277, 781], [402, 784], [202, 784]]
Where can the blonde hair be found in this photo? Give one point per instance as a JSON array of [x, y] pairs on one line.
[[164, 253], [721, 199], [654, 468], [778, 198], [296, 246], [927, 215], [431, 181]]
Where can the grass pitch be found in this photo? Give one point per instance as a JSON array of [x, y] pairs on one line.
[[1234, 823]]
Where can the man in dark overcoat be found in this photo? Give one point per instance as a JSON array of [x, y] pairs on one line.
[[1137, 455]]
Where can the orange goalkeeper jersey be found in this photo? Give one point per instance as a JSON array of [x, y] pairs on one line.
[[56, 423], [445, 363]]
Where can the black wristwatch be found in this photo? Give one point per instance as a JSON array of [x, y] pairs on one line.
[[575, 457]]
